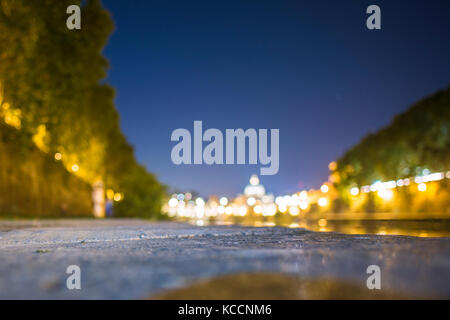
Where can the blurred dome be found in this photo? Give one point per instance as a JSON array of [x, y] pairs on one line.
[[254, 189]]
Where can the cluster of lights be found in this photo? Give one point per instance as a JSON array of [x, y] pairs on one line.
[[110, 194], [384, 189], [58, 156], [116, 196], [182, 205], [256, 202], [198, 209]]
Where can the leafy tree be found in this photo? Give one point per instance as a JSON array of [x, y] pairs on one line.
[[417, 139], [51, 89]]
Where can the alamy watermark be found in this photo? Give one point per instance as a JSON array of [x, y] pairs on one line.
[[73, 281], [213, 153], [73, 22], [374, 280], [373, 22]]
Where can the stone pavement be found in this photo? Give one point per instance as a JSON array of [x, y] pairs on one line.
[[132, 259]]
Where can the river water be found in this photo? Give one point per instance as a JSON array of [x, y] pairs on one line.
[[407, 227]]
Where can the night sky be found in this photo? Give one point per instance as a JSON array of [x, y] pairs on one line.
[[310, 68]]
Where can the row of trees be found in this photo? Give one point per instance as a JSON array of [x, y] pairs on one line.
[[416, 141], [32, 184], [51, 82]]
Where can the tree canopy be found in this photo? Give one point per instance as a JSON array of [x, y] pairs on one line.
[[416, 140], [52, 89]]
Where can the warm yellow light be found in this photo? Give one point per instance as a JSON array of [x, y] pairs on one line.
[[172, 202], [11, 116], [354, 191], [323, 202], [110, 194], [199, 211], [58, 156], [75, 168], [181, 211], [40, 137], [117, 197], [282, 208], [228, 210], [303, 205], [324, 188], [422, 187], [294, 211], [200, 202], [322, 222], [335, 177], [269, 210], [223, 201], [332, 165], [295, 200], [385, 194], [279, 201], [303, 195], [220, 209], [200, 223], [257, 209], [251, 201]]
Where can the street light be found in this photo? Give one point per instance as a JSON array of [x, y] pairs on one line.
[[323, 202], [354, 191], [422, 187], [223, 201]]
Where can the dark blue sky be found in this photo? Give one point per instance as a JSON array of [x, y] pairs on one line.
[[310, 68]]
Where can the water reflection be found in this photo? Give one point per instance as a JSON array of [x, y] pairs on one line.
[[418, 228], [263, 286]]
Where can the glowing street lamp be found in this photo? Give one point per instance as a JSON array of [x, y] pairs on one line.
[[223, 201], [282, 208], [422, 187], [251, 201], [303, 195], [200, 202], [385, 194], [303, 205], [173, 202], [257, 209], [294, 211], [323, 202], [117, 197]]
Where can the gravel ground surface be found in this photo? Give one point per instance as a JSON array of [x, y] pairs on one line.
[[129, 259]]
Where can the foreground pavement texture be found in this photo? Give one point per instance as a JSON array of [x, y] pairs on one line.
[[133, 259]]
